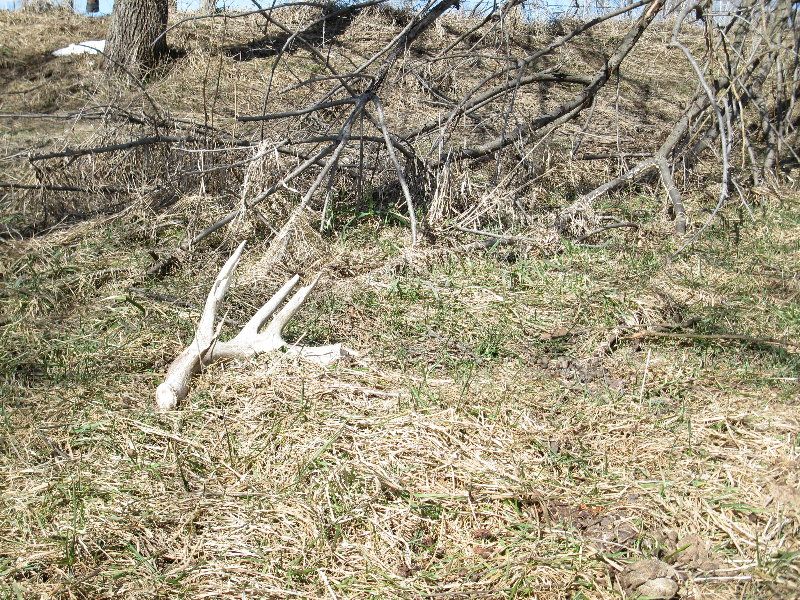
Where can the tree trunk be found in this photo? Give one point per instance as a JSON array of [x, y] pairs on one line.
[[208, 6], [92, 6], [134, 26]]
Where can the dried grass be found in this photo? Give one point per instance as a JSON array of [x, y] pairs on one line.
[[480, 446], [227, 69]]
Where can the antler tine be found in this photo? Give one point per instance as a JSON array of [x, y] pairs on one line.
[[279, 321], [176, 383], [205, 328], [257, 320]]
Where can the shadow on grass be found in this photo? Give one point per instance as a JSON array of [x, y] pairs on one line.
[[334, 23]]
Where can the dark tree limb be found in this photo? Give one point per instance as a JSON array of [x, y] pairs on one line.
[[674, 195], [143, 141], [569, 109]]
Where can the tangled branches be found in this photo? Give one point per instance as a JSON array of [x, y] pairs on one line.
[[466, 120]]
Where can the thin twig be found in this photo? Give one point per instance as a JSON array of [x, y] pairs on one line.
[[393, 157], [62, 188], [607, 227]]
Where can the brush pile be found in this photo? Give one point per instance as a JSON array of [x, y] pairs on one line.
[[306, 117], [564, 415]]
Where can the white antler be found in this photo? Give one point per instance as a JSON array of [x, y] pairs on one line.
[[205, 348]]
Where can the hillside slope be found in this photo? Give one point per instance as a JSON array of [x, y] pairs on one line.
[[525, 419]]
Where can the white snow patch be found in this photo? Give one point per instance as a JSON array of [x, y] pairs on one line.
[[87, 47]]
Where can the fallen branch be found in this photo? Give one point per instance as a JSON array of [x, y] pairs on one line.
[[567, 110], [606, 228], [143, 141], [61, 188], [390, 149], [298, 112], [712, 336]]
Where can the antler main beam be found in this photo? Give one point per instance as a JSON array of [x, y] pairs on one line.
[[205, 349]]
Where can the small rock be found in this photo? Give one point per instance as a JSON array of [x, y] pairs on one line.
[[691, 549], [651, 578], [484, 534], [404, 571], [694, 553], [662, 588], [625, 533]]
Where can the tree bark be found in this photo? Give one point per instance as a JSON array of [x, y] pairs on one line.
[[135, 24]]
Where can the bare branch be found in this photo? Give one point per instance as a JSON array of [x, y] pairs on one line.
[[143, 141], [390, 149]]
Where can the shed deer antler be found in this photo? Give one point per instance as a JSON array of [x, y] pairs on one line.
[[206, 349]]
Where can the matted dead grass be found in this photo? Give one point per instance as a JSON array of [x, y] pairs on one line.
[[481, 445], [478, 447]]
